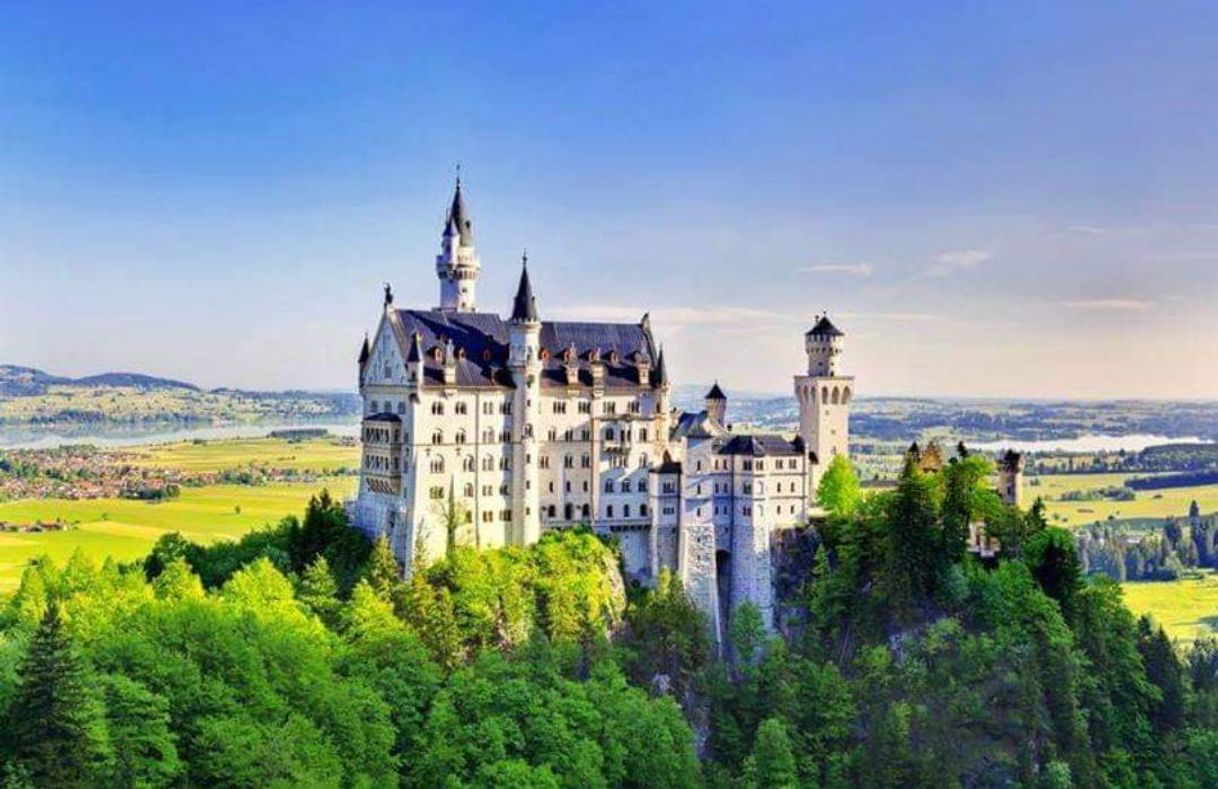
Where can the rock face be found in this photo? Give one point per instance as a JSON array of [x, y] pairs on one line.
[[792, 557]]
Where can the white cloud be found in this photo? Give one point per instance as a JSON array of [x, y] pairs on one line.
[[895, 317], [673, 316], [954, 260], [1108, 305], [854, 269]]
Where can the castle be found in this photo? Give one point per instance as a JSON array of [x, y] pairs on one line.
[[507, 427]]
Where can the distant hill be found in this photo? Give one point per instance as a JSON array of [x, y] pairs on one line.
[[29, 396], [16, 381]]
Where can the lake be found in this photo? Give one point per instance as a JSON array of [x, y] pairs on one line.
[[124, 436], [1134, 442]]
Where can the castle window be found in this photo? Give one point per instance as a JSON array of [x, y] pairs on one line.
[[503, 464], [560, 407], [568, 511], [568, 461], [488, 436], [437, 437], [625, 486], [372, 407], [460, 437], [609, 434], [487, 490], [545, 461], [585, 462], [503, 489], [506, 408], [608, 510], [461, 408], [553, 434], [625, 510], [585, 406], [552, 511], [488, 463], [610, 407], [436, 491], [505, 436], [401, 407], [488, 408], [643, 485], [643, 510], [387, 371], [635, 406], [699, 465], [469, 490], [568, 434], [468, 463], [586, 511], [437, 409], [487, 516], [608, 486], [667, 487], [643, 434], [437, 465]]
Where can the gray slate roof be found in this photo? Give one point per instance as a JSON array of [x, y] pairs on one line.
[[761, 445], [825, 328], [480, 340]]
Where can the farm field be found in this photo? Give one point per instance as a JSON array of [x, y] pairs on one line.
[[126, 528], [1187, 608], [1147, 504], [318, 455]]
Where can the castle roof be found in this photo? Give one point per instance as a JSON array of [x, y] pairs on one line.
[[384, 416], [716, 393], [695, 424], [458, 219], [524, 306], [760, 445], [364, 352], [825, 328], [661, 376], [481, 341]]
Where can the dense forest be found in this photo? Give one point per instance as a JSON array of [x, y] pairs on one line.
[[1125, 554], [297, 656]]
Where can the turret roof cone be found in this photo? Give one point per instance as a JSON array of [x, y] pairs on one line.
[[524, 307]]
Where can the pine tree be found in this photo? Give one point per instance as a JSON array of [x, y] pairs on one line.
[[382, 570], [55, 721], [139, 728], [773, 762], [839, 491], [319, 592]]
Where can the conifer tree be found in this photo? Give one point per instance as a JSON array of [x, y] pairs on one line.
[[839, 491], [773, 764], [383, 568], [319, 592], [55, 720]]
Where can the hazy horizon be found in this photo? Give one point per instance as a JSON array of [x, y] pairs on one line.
[[1000, 201]]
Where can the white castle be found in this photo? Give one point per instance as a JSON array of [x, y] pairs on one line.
[[530, 424]]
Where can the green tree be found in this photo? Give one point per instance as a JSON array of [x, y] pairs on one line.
[[382, 572], [914, 560], [773, 765], [1052, 557], [318, 591], [56, 721], [839, 491], [139, 726]]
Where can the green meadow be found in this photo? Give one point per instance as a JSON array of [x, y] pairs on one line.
[[126, 529], [1146, 504], [1187, 608], [317, 455]]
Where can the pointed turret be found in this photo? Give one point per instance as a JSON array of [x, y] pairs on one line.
[[457, 265], [364, 352], [524, 306], [716, 405], [661, 376]]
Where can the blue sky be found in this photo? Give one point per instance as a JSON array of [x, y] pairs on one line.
[[992, 199]]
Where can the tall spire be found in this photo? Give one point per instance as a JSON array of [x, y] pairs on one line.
[[458, 221], [661, 376], [524, 307]]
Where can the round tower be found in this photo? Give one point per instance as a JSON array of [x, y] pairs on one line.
[[824, 396], [457, 265], [524, 361]]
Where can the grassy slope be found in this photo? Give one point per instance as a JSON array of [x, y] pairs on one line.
[[1187, 608], [1148, 504], [314, 455], [126, 529]]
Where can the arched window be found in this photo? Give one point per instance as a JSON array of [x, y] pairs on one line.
[[643, 510], [608, 510], [488, 436], [437, 465], [553, 511], [568, 511], [625, 510], [460, 436], [437, 408], [587, 511], [469, 490], [824, 394], [836, 396], [608, 486], [625, 486], [488, 463], [468, 463], [437, 437], [462, 409]]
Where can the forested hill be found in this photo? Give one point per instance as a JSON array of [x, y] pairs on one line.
[[298, 657], [32, 397]]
